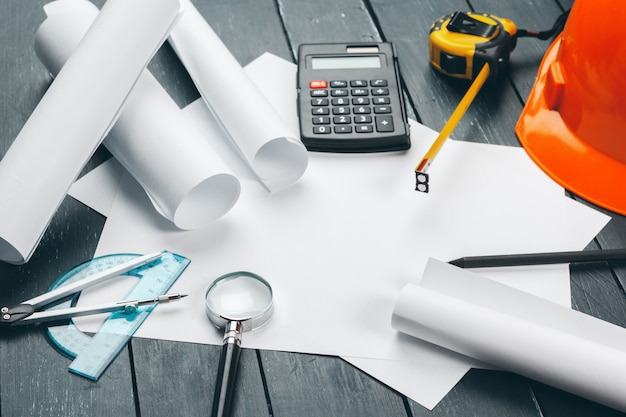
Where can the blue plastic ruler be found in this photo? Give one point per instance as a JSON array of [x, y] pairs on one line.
[[92, 355]]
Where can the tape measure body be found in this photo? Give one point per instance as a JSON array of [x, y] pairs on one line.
[[92, 355], [460, 44]]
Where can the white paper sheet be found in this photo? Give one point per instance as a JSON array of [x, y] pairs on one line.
[[185, 179], [339, 246], [515, 331], [73, 117], [269, 145]]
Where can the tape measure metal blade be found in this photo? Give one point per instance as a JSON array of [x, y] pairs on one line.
[[94, 354]]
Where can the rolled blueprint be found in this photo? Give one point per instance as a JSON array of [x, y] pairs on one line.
[[73, 117], [269, 146], [516, 331], [183, 176]]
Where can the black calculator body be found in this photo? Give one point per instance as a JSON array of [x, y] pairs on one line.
[[349, 98]]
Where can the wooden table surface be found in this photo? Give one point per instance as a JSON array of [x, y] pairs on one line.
[[161, 378]]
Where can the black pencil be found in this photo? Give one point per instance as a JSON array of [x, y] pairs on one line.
[[540, 258]]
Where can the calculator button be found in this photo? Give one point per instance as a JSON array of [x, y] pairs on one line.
[[381, 100], [363, 128], [341, 110], [360, 101], [361, 110], [320, 111], [384, 124], [341, 120], [358, 83], [338, 84], [339, 92], [378, 83], [359, 92], [362, 119], [321, 130], [318, 84], [343, 129], [321, 120], [340, 101], [380, 91], [319, 102], [382, 109], [319, 93]]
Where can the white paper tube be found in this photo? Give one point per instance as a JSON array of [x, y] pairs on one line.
[[266, 142], [185, 179], [518, 332], [73, 117]]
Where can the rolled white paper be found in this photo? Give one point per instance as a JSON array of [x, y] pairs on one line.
[[183, 176], [74, 115], [516, 331], [269, 145]]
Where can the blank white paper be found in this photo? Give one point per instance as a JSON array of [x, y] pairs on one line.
[[339, 246]]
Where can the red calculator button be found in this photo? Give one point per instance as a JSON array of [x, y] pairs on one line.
[[318, 84]]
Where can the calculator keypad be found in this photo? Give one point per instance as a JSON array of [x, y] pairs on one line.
[[347, 106]]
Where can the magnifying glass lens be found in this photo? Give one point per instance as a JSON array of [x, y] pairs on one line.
[[239, 297]]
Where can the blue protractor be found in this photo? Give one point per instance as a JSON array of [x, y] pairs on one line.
[[92, 355]]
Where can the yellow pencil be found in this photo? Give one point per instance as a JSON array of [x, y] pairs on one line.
[[421, 177]]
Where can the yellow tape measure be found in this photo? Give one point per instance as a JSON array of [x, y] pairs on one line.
[[462, 43], [468, 46]]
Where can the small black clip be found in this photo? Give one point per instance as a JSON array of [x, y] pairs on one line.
[[464, 23], [421, 181], [11, 315]]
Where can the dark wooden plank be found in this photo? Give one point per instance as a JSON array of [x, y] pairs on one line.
[[486, 394], [320, 386], [35, 382], [327, 21], [613, 236], [247, 28], [596, 290], [34, 379], [176, 378], [554, 402], [24, 79]]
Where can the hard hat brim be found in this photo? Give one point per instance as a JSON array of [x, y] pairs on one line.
[[560, 153]]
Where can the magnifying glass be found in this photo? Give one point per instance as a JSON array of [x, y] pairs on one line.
[[236, 302]]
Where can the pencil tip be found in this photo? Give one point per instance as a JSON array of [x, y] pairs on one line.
[[457, 262]]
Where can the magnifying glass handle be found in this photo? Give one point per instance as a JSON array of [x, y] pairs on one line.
[[229, 360]]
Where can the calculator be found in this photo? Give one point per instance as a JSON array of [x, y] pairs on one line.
[[349, 98]]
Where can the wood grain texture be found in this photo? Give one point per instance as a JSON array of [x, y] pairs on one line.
[[24, 79], [35, 382], [179, 379], [486, 394], [319, 386]]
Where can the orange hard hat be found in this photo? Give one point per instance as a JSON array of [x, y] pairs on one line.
[[574, 122]]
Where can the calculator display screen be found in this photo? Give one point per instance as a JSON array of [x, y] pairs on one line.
[[345, 62]]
